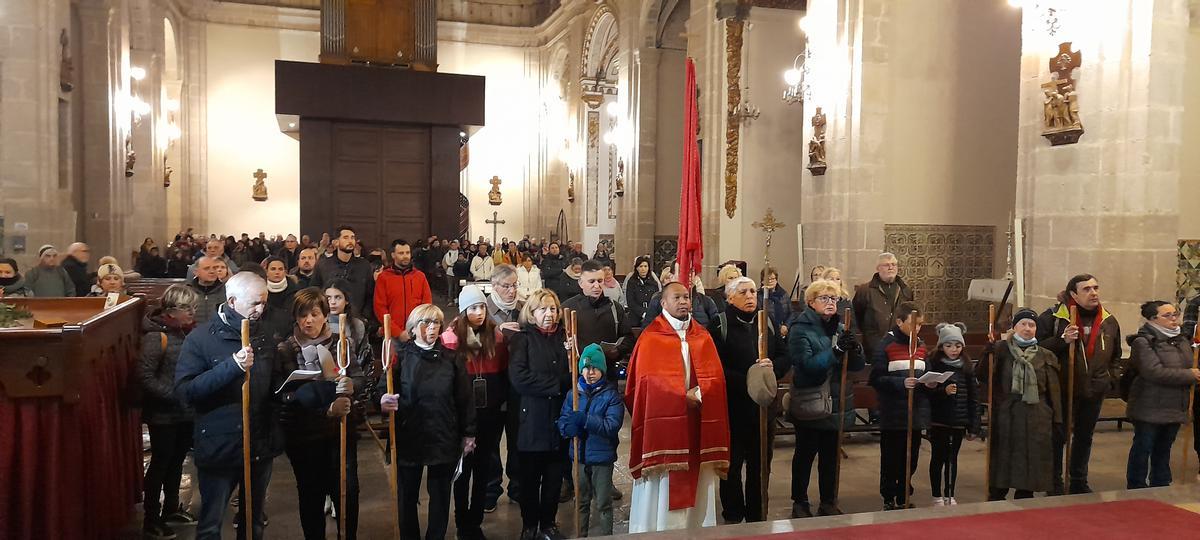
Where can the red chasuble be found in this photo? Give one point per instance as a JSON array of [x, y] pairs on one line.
[[666, 434]]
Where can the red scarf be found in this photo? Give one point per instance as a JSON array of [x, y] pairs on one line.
[[1094, 334]]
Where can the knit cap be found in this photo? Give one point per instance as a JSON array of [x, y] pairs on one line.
[[951, 332], [469, 296], [108, 269], [1024, 313], [593, 356], [42, 250]]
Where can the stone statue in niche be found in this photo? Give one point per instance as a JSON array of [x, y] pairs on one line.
[[260, 186], [1060, 101], [494, 195], [571, 186], [66, 70], [816, 145], [620, 180]]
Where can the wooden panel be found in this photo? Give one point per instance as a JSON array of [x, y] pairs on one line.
[[396, 32], [362, 41]]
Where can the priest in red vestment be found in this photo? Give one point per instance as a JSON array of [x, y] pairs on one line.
[[679, 442]]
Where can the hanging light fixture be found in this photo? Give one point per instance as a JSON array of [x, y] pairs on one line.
[[797, 78]]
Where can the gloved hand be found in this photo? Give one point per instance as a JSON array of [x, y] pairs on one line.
[[389, 403], [847, 342], [345, 386]]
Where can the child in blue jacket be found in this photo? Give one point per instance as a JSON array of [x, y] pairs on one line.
[[596, 423]]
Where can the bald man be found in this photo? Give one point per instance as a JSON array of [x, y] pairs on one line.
[[75, 263]]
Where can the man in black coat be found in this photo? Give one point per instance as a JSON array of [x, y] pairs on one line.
[[601, 321], [208, 378], [553, 266], [75, 263], [355, 270]]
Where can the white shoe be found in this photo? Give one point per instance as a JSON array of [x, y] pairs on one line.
[[951, 502], [329, 509], [939, 501]]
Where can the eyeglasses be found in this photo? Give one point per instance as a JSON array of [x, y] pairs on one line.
[[826, 299], [505, 286], [1172, 315]]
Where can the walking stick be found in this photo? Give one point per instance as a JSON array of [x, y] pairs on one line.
[[248, 496], [837, 479], [569, 316], [987, 448], [1188, 425], [1071, 400], [912, 367], [393, 478], [343, 362], [764, 462]]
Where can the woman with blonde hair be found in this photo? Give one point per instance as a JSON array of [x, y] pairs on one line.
[[834, 275], [540, 379]]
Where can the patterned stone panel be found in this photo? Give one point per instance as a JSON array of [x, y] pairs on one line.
[[593, 168], [939, 262], [665, 249], [1187, 277]]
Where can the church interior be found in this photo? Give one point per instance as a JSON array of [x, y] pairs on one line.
[[984, 143]]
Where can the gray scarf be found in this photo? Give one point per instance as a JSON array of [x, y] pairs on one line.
[[1024, 378]]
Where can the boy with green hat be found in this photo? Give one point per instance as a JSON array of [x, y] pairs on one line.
[[596, 424]]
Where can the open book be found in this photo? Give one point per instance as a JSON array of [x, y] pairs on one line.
[[297, 377], [935, 377]]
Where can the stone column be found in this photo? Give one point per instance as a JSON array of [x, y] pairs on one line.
[[635, 214], [1107, 205]]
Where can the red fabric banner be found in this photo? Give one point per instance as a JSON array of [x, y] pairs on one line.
[[691, 248]]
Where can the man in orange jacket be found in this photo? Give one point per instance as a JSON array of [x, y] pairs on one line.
[[400, 288]]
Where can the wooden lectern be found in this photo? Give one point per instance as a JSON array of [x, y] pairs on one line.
[[70, 440]]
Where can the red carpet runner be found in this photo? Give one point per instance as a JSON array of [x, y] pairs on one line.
[[1121, 519]]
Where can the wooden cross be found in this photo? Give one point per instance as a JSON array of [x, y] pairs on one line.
[[495, 223], [1063, 63], [769, 225]]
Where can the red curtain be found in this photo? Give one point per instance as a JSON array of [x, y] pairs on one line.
[[72, 470], [691, 249]]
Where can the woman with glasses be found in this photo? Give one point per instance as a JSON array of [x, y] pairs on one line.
[[1162, 378], [435, 419], [170, 422], [818, 343], [540, 378]]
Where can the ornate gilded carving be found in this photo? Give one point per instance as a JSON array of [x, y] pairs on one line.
[[734, 30], [1060, 103], [816, 145], [494, 196]]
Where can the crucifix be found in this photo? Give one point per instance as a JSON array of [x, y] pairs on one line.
[[1060, 100], [769, 225], [495, 223], [259, 192]]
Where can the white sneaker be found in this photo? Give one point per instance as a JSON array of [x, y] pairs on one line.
[[951, 502], [939, 501], [329, 509]]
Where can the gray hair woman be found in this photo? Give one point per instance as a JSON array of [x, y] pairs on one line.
[[1162, 379]]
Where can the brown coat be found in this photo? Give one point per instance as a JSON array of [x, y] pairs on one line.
[[875, 310], [1095, 376], [1022, 449]]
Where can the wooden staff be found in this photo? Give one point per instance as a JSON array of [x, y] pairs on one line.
[[1188, 424], [248, 496], [912, 373], [343, 362], [1071, 399], [987, 448], [764, 461], [571, 323], [841, 419], [386, 358]]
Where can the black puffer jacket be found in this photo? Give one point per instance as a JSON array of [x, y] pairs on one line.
[[552, 273], [156, 372], [537, 367], [1164, 378], [436, 409], [962, 408], [639, 292]]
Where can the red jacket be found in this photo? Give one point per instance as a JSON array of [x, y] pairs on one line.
[[399, 293]]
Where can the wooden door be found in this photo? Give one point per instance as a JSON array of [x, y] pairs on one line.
[[381, 181]]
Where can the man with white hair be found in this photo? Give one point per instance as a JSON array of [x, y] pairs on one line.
[[75, 263], [875, 302], [215, 248], [208, 377]]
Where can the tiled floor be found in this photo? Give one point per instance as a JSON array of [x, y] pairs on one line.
[[860, 476]]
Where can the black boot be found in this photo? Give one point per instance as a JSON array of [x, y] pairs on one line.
[[801, 510], [828, 509], [531, 533]]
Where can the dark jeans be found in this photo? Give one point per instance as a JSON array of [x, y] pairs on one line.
[[891, 463], [1000, 494], [470, 490], [944, 444], [811, 443], [510, 465], [216, 486], [169, 445], [1087, 412], [741, 497], [595, 484], [316, 464], [541, 479], [452, 288], [1151, 450], [438, 487]]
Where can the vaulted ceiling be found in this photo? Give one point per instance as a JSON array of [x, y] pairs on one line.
[[524, 13]]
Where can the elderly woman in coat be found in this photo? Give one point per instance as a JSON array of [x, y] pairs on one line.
[[1163, 377], [1026, 411]]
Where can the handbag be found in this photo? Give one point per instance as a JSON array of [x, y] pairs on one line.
[[810, 403]]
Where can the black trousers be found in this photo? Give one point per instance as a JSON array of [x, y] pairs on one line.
[[944, 444], [541, 479], [471, 488], [741, 495], [1087, 412], [812, 444], [438, 487], [891, 463], [317, 464], [510, 466], [169, 445]]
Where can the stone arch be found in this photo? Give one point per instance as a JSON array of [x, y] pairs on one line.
[[599, 44]]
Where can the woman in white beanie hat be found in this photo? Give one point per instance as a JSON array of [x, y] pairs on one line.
[[109, 279]]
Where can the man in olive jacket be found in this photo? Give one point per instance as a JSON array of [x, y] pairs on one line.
[[1097, 338], [875, 302]]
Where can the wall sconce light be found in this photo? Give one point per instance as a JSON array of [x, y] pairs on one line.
[[137, 73], [797, 78]]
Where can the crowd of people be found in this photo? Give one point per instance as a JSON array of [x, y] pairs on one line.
[[695, 381]]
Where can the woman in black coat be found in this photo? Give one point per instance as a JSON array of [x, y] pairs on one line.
[[640, 287], [435, 421], [541, 378]]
